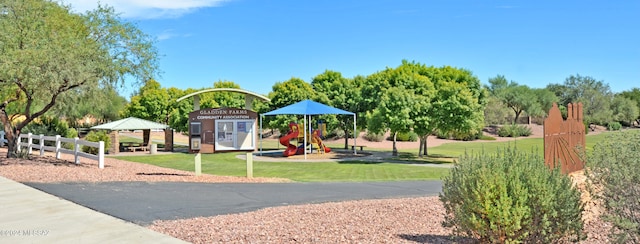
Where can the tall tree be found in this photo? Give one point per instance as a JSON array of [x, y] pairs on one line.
[[222, 99], [519, 98], [458, 104], [151, 103], [102, 103], [179, 115], [634, 95], [47, 51], [341, 93], [287, 93], [394, 113], [624, 109], [445, 99], [596, 97]]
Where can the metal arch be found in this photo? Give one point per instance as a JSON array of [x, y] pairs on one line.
[[263, 98]]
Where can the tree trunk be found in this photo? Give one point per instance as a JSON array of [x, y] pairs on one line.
[[515, 120], [346, 137], [423, 146], [420, 147], [395, 149], [12, 138], [426, 153]]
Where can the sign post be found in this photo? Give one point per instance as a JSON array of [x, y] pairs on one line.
[[198, 164], [249, 165]]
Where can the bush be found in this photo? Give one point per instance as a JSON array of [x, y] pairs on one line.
[[511, 197], [405, 136], [96, 137], [48, 126], [339, 133], [613, 171], [514, 130], [369, 136], [487, 138], [614, 126], [71, 133], [460, 136]]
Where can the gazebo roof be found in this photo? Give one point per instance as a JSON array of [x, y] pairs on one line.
[[130, 123]]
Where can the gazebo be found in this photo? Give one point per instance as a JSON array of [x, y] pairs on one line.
[[309, 108], [133, 123]]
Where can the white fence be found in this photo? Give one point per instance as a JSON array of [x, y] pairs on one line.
[[58, 149]]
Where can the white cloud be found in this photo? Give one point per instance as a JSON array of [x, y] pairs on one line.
[[146, 9], [170, 33]]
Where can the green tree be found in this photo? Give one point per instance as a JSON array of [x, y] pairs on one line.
[[47, 51], [394, 113], [179, 115], [495, 112], [457, 107], [222, 98], [519, 98], [339, 92], [103, 104], [151, 103], [633, 94], [595, 96], [445, 99], [284, 94], [624, 109], [546, 98]]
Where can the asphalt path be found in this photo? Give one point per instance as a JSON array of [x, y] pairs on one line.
[[143, 202]]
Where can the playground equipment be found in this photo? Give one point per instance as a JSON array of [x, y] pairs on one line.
[[294, 133]]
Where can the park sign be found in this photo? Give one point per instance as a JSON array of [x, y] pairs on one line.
[[222, 129]]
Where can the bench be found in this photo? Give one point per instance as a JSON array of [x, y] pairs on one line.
[[361, 147]]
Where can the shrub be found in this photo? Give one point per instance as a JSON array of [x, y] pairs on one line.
[[511, 197], [459, 135], [369, 136], [514, 130], [587, 127], [405, 136], [487, 138], [48, 126], [614, 126], [339, 133], [71, 133], [96, 137], [613, 170]]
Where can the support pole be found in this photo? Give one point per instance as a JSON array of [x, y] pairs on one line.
[[198, 164], [249, 165]]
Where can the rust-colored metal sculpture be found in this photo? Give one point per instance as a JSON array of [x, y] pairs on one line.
[[564, 140]]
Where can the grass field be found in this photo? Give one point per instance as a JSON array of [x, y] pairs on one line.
[[391, 170]]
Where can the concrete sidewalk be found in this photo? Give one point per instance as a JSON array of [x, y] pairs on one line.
[[31, 216]]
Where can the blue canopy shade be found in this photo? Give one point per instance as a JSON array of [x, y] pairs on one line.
[[308, 107]]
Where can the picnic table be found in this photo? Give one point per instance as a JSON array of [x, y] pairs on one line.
[[361, 147], [132, 146]]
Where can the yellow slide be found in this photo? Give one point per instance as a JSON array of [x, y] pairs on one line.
[[315, 139]]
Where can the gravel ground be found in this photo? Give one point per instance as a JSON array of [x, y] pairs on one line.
[[410, 220]]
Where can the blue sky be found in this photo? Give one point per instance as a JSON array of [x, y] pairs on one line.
[[256, 43]]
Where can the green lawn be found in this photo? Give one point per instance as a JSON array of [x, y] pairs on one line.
[[228, 164]]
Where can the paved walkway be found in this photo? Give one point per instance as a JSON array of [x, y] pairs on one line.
[[143, 202], [31, 216]]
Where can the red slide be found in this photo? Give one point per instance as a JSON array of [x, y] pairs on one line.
[[293, 133]]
